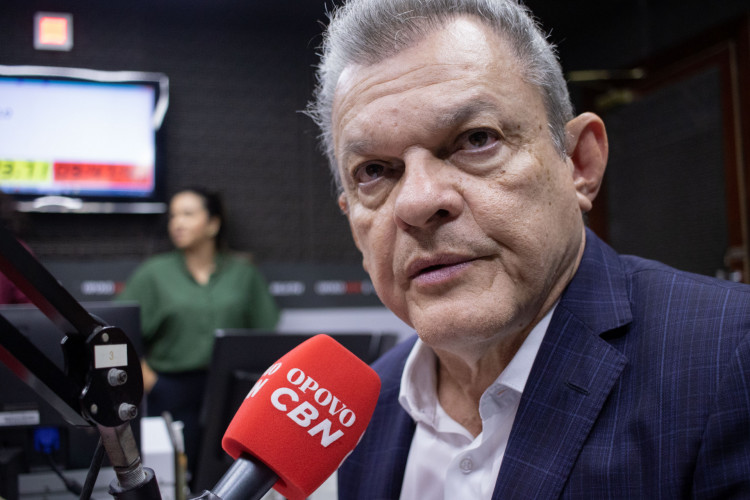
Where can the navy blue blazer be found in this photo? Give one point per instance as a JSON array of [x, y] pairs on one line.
[[641, 389]]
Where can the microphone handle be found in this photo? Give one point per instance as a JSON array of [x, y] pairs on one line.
[[247, 479]]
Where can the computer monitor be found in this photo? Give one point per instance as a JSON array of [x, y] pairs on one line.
[[23, 411], [240, 356], [82, 140]]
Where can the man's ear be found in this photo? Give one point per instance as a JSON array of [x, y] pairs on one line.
[[344, 204], [587, 148]]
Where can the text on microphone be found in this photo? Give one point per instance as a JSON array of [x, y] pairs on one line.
[[318, 400]]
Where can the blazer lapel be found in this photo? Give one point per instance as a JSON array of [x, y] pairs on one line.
[[570, 380], [375, 469]]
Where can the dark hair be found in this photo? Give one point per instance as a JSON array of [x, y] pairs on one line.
[[214, 205]]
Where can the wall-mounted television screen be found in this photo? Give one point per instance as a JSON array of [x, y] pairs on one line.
[[74, 137]]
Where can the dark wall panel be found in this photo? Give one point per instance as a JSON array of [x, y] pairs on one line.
[[668, 199]]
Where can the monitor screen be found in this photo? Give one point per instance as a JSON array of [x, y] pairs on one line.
[[85, 134]]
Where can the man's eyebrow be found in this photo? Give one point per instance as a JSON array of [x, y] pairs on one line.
[[459, 114], [356, 148]]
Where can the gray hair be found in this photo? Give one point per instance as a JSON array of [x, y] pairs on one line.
[[365, 32]]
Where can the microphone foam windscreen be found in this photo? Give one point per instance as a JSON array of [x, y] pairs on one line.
[[305, 414]]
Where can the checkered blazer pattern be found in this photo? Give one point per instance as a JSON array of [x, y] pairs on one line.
[[641, 389]]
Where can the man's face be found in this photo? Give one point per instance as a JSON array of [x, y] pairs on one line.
[[466, 216]]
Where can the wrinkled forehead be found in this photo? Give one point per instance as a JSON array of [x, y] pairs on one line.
[[461, 62], [467, 30], [460, 50], [359, 84]]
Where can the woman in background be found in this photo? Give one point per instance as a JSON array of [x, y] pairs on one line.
[[185, 295]]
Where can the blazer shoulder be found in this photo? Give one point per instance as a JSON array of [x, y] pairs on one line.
[[654, 281]]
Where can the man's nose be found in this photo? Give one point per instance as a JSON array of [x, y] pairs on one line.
[[427, 192]]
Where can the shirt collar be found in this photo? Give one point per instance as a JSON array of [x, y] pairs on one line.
[[418, 395]]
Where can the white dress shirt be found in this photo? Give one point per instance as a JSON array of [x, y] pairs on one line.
[[445, 460]]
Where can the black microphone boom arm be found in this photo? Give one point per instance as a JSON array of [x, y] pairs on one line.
[[102, 384]]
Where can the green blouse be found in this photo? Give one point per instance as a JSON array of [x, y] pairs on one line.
[[179, 315]]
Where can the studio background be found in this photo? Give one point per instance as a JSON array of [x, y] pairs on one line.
[[241, 72]]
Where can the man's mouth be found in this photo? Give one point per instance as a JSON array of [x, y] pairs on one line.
[[438, 265]]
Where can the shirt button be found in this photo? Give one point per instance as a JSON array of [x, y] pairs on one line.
[[466, 465]]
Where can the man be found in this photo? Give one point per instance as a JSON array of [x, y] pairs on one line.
[[547, 366]]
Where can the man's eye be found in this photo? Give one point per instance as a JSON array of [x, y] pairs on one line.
[[369, 172], [478, 139]]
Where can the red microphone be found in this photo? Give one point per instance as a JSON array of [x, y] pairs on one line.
[[299, 422]]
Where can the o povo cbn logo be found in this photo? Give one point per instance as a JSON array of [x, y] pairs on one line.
[[306, 403]]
